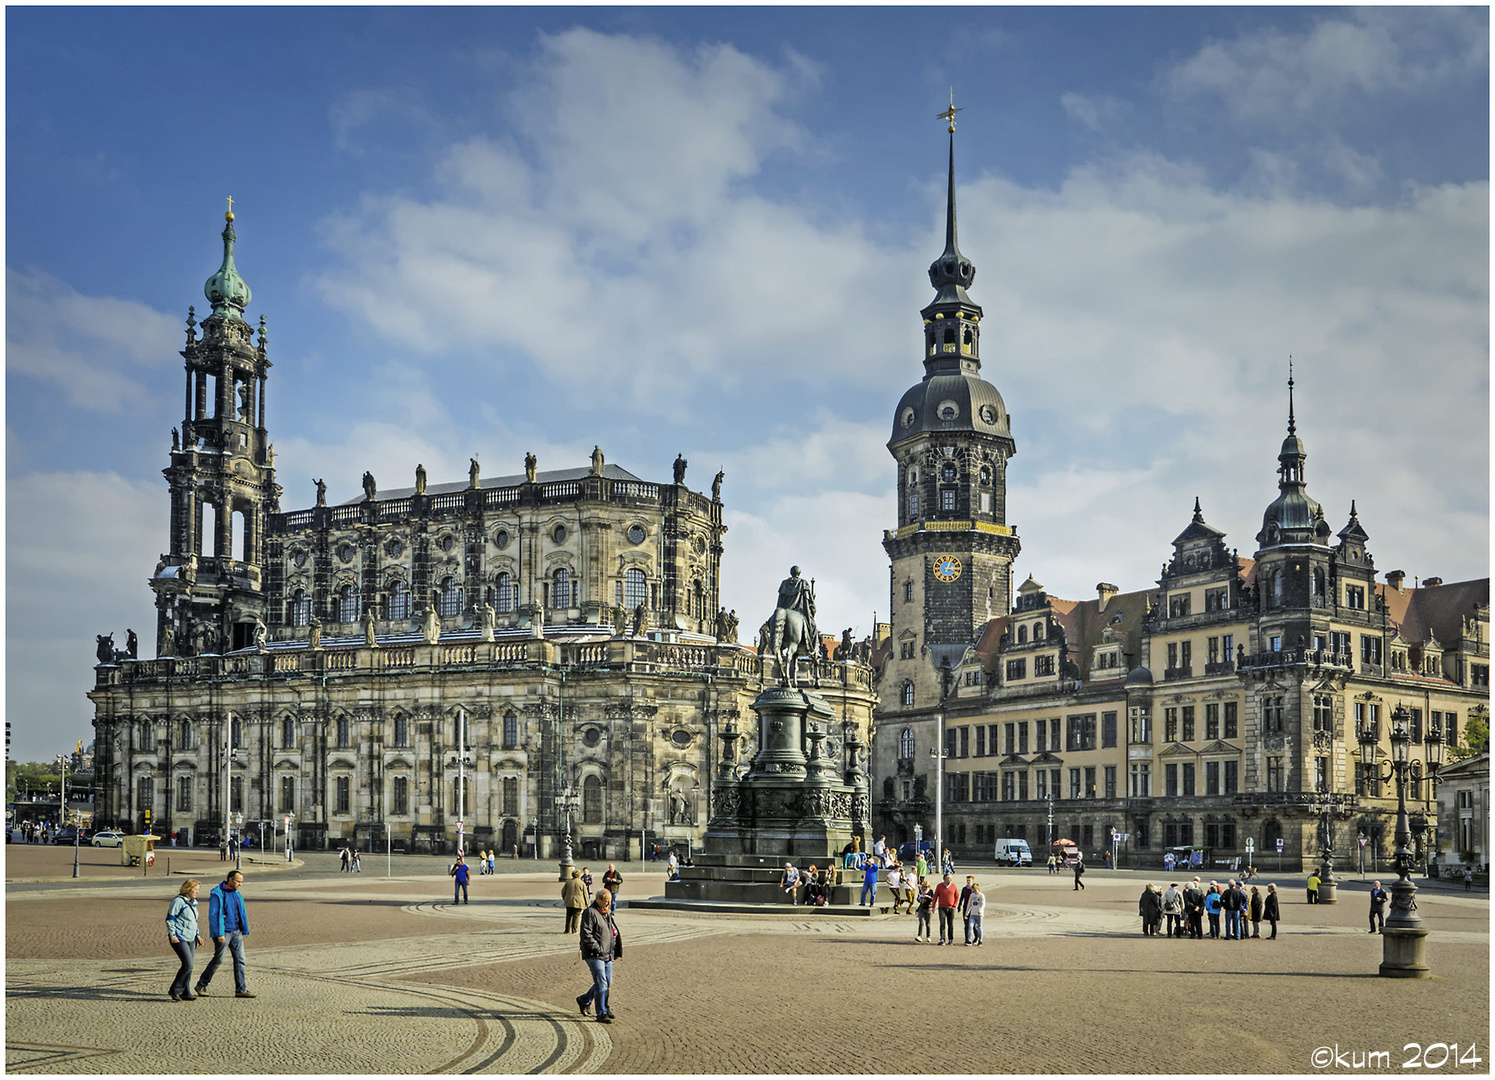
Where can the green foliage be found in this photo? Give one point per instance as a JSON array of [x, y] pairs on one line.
[[1474, 739], [35, 776]]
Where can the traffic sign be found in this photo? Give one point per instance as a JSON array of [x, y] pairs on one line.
[[1279, 845], [1364, 840]]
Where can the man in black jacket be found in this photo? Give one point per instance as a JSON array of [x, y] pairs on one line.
[[1378, 898], [601, 944], [1234, 902], [1194, 909]]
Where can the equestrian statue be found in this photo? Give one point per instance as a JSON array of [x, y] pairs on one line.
[[790, 632]]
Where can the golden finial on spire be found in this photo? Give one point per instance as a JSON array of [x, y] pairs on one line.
[[949, 114], [230, 215]]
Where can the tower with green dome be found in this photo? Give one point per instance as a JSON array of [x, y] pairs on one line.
[[209, 585]]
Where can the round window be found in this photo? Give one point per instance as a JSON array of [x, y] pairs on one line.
[[988, 414], [907, 419], [949, 410], [559, 535], [501, 538], [636, 534], [393, 549], [681, 737], [345, 553], [592, 736], [299, 558], [447, 543]]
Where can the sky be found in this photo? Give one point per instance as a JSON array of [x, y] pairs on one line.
[[706, 231]]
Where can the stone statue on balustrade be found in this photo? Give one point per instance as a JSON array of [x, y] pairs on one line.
[[261, 632], [489, 622], [430, 625], [369, 640], [370, 489], [640, 618], [420, 479], [314, 633]]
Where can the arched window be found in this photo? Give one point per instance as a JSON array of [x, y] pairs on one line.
[[1040, 631], [300, 608], [507, 595], [949, 335], [908, 692], [1271, 832], [635, 588], [985, 474], [947, 474], [511, 731], [288, 734], [237, 732], [591, 801], [449, 600], [511, 795], [906, 743], [348, 604], [185, 731], [560, 589], [1276, 588], [399, 600], [1318, 582], [1022, 635], [402, 731], [699, 596]]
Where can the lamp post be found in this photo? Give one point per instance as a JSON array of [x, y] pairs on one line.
[[62, 763], [938, 753], [1328, 885], [566, 803], [1404, 939], [228, 788], [462, 762]]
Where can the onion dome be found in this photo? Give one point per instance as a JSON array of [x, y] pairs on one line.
[[1294, 517], [226, 289]]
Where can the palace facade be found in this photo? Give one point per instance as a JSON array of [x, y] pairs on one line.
[[1220, 711], [469, 657]]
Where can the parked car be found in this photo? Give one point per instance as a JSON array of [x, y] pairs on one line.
[[908, 854], [108, 838], [69, 835]]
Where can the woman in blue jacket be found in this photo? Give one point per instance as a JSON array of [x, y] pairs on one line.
[[181, 930], [1212, 909]]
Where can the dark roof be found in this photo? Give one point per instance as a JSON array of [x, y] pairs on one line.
[[609, 471], [1438, 612]]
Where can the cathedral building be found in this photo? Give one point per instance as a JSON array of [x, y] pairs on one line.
[[437, 660], [1220, 713]]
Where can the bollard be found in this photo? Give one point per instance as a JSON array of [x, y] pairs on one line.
[[168, 866]]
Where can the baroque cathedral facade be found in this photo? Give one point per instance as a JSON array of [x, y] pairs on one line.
[[1220, 712], [482, 662]]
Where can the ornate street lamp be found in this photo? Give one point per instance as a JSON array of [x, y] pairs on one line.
[[1404, 945], [566, 804]]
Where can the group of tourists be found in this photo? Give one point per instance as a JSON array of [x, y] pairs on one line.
[[1186, 908]]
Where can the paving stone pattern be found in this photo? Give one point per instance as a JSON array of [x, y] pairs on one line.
[[366, 975]]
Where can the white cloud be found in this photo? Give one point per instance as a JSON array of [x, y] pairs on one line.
[[1269, 76], [103, 533], [92, 348]]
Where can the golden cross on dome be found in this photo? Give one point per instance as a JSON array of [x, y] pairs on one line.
[[949, 114], [231, 207]]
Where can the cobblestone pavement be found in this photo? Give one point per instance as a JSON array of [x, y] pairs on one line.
[[360, 974]]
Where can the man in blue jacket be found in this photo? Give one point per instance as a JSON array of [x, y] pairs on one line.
[[228, 926]]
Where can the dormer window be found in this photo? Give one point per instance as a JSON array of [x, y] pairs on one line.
[[947, 474]]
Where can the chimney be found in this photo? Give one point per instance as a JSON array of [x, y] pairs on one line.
[[1105, 590], [1394, 578], [1431, 582]]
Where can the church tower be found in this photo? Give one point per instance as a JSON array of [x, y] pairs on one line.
[[210, 585], [952, 551]]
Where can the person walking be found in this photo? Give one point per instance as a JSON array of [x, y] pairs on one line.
[[964, 905], [1313, 887], [492, 862], [1173, 908], [926, 904], [946, 897], [976, 914], [182, 932], [601, 945], [343, 859], [574, 899], [1378, 898], [947, 864], [895, 886], [921, 865], [1255, 912], [612, 881], [869, 883], [1079, 873], [1269, 910], [228, 925], [357, 866], [586, 879], [1150, 908], [1468, 878], [459, 881]]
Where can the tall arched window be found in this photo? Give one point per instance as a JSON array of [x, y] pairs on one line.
[[1022, 635], [1039, 631], [906, 743], [635, 589], [511, 796], [449, 599], [1276, 588], [300, 608], [591, 801], [511, 731], [560, 589], [288, 734], [402, 731], [348, 604], [908, 692], [237, 732], [505, 594], [185, 732], [399, 600]]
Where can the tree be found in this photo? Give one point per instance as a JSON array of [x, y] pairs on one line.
[[1475, 739]]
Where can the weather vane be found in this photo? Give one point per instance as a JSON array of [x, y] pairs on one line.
[[949, 114]]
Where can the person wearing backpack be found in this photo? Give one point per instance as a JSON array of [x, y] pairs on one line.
[[182, 932]]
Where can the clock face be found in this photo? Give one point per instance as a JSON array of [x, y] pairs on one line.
[[947, 568]]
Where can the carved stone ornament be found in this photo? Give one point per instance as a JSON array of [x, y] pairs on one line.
[[1323, 740], [1274, 742], [728, 802]]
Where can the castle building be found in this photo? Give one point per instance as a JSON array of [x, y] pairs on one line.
[[530, 641], [1219, 713]]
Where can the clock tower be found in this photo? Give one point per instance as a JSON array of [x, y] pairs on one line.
[[952, 551]]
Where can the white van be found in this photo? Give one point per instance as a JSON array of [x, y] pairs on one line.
[[1014, 852]]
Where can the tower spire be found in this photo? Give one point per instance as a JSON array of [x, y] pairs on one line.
[[1292, 423], [952, 272], [226, 289]]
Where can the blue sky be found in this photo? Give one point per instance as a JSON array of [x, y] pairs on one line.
[[498, 230]]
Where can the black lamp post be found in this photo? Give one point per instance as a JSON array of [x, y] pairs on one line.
[[567, 804], [1404, 939]]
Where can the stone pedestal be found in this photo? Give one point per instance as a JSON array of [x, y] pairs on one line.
[[1404, 953], [793, 805]]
